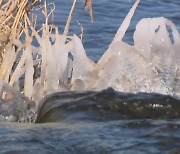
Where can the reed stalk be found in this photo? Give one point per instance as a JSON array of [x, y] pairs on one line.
[[12, 15], [17, 56]]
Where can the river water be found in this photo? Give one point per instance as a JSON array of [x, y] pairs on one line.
[[105, 121]]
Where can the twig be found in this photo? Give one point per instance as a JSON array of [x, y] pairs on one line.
[[66, 29]]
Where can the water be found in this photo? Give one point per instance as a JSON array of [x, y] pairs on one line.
[[108, 121], [108, 16], [98, 122]]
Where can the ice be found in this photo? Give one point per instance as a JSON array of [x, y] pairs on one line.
[[51, 78], [60, 54], [128, 71], [60, 62], [119, 35], [29, 72], [158, 47], [8, 61], [82, 67], [14, 106], [78, 85]]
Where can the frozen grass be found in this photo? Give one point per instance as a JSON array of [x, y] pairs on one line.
[[151, 65]]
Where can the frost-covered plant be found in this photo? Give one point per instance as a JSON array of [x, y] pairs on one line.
[[151, 65], [35, 71]]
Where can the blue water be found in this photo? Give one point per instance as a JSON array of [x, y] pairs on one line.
[[141, 135], [108, 16]]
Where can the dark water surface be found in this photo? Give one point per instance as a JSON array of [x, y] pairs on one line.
[[98, 122], [107, 121]]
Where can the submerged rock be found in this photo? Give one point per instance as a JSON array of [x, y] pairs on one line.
[[106, 105]]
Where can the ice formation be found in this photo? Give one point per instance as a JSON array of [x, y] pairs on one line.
[[151, 65]]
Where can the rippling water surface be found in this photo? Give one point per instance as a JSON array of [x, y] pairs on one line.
[[108, 16], [108, 121]]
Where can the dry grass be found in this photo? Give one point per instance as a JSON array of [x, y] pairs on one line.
[[13, 13], [88, 6], [18, 55], [12, 16]]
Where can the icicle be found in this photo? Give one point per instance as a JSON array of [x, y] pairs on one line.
[[124, 26], [44, 43], [37, 94], [8, 57], [60, 54], [52, 80], [29, 72], [19, 69], [82, 67], [50, 74], [118, 37]]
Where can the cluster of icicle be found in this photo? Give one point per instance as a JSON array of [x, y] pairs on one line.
[[151, 65]]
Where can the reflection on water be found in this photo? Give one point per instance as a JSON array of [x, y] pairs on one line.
[[107, 121]]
